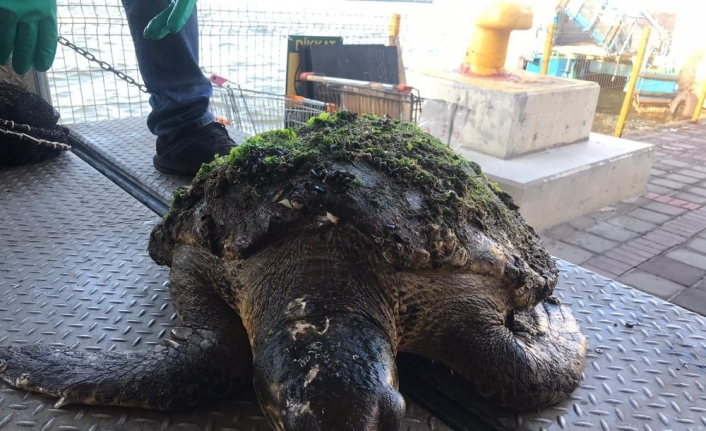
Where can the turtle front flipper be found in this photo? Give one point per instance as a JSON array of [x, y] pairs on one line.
[[209, 356]]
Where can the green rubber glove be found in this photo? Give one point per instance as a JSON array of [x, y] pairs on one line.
[[170, 20], [28, 32]]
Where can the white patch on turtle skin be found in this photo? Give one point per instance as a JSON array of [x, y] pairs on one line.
[[305, 408], [299, 409], [291, 204], [301, 327], [327, 218], [311, 375], [296, 308], [22, 381]]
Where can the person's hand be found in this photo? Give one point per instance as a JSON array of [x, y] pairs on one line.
[[28, 32], [170, 20]]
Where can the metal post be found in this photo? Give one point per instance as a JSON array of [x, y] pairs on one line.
[[548, 44], [633, 82], [700, 104]]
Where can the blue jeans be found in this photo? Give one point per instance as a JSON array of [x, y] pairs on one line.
[[180, 92]]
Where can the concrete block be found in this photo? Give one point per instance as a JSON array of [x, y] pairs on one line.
[[561, 184], [507, 118]]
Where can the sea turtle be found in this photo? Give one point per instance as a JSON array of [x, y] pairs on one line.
[[307, 258]]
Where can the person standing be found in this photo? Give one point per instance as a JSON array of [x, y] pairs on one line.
[[166, 40]]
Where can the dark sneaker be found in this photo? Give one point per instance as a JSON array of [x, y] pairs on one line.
[[184, 154]]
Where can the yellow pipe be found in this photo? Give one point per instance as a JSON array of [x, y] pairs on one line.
[[395, 26], [488, 48], [699, 105], [548, 44], [633, 82]]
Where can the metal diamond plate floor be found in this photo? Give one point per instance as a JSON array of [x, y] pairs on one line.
[[129, 146], [74, 271]]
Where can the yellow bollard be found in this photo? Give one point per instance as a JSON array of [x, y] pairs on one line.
[[488, 48], [394, 27], [548, 44], [633, 82], [394, 40], [699, 105]]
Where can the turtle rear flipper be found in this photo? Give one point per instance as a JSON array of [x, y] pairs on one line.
[[211, 358]]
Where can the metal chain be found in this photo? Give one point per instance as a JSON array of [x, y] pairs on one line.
[[104, 65]]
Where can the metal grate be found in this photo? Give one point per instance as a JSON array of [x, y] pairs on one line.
[[74, 271], [644, 369]]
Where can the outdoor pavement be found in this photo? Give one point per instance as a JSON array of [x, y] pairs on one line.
[[657, 242]]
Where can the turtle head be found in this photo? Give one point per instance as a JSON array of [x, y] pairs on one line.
[[330, 373]]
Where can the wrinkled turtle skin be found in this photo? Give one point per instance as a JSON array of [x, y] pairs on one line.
[[306, 259]]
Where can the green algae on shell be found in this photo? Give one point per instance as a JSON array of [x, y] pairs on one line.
[[427, 207]]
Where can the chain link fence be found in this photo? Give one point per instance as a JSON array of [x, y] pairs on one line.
[[631, 51], [96, 77]]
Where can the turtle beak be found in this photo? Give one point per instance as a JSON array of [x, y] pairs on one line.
[[334, 373]]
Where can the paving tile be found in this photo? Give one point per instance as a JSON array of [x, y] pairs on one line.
[[664, 237], [697, 244], [692, 221], [683, 146], [583, 223], [628, 205], [669, 184], [590, 242], [698, 168], [673, 270], [659, 189], [632, 223], [666, 168], [701, 286], [611, 232], [692, 299], [682, 178], [560, 231], [600, 271], [665, 209], [696, 191], [603, 213], [651, 284], [633, 248], [701, 200], [568, 252], [693, 173], [611, 265], [657, 172], [688, 257], [679, 230], [649, 246], [627, 257], [649, 216], [674, 162]]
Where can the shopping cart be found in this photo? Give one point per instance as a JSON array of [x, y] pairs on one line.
[[255, 112], [401, 102]]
